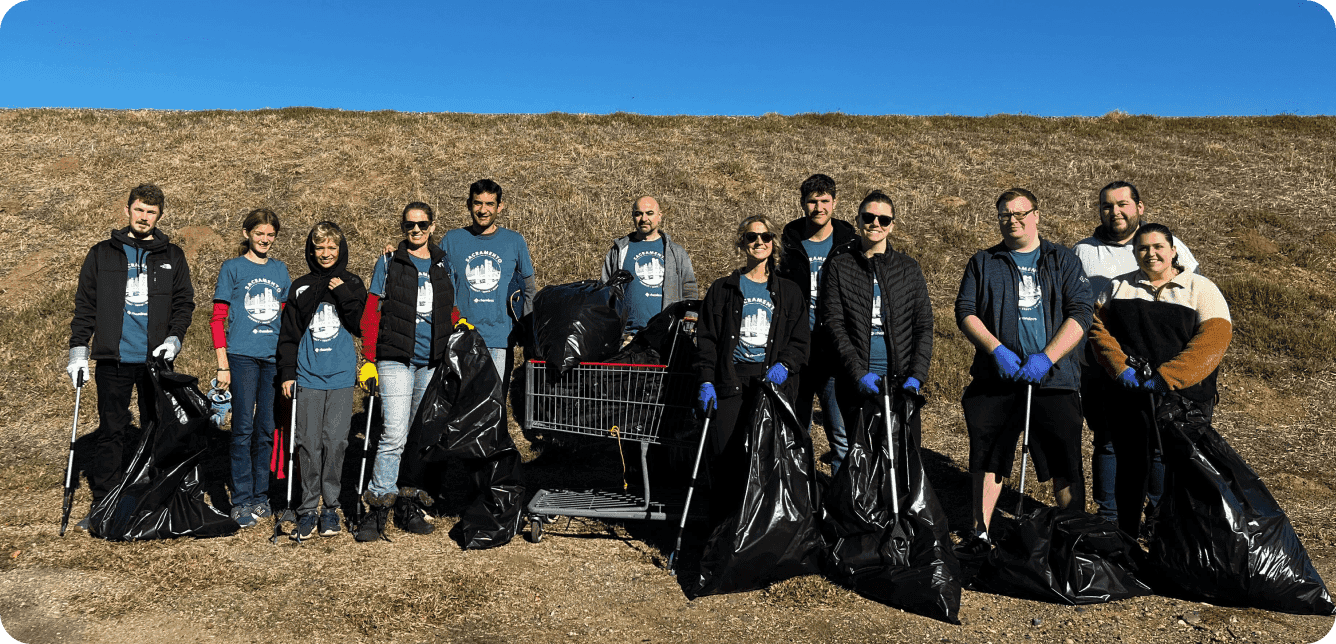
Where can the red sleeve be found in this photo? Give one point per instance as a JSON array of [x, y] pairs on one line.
[[217, 324], [454, 317], [370, 327]]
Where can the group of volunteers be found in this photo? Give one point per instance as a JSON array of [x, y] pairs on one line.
[[820, 308]]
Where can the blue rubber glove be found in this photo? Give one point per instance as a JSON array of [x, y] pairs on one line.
[[778, 373], [1128, 379], [1008, 363], [912, 384], [1155, 385], [1036, 367], [708, 400], [868, 384]]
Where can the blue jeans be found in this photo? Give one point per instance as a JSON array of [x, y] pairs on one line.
[[252, 427], [401, 389], [502, 359], [836, 433]]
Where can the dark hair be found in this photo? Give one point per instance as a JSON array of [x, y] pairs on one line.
[[1147, 229], [772, 262], [817, 184], [148, 193], [418, 205], [1136, 196], [1016, 193], [877, 196], [484, 186], [254, 218]]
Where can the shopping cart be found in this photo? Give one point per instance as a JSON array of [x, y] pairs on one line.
[[649, 404]]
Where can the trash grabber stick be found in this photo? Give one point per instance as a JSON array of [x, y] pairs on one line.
[[1025, 448], [890, 445], [69, 466], [691, 488], [366, 442], [292, 446]]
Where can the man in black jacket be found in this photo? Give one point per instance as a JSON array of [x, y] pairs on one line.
[[808, 241], [133, 302]]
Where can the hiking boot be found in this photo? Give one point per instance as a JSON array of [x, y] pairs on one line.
[[306, 527], [329, 522], [377, 515], [242, 515], [408, 513]]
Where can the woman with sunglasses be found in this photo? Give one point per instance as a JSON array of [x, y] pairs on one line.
[[874, 301], [753, 326], [405, 326], [251, 289]]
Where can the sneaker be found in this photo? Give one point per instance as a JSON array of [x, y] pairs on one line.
[[329, 522], [974, 547], [306, 527], [242, 515], [262, 510]]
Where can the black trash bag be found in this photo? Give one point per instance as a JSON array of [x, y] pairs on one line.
[[662, 341], [461, 415], [908, 561], [579, 322], [1220, 536], [1061, 556], [161, 495], [773, 535]]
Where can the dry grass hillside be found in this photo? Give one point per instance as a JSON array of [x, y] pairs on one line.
[[1250, 195]]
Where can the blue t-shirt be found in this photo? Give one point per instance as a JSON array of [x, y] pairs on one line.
[[485, 270], [326, 357], [1033, 329], [757, 312], [134, 322], [878, 361], [645, 260], [254, 294], [816, 258], [425, 296]]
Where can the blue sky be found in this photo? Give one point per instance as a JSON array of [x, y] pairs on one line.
[[971, 57]]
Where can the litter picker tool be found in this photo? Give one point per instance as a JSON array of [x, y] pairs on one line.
[[899, 540], [359, 511], [1025, 448], [288, 514], [69, 466], [691, 488]]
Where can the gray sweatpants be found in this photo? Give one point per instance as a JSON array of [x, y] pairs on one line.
[[323, 418]]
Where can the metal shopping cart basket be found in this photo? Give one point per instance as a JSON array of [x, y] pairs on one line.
[[650, 404]]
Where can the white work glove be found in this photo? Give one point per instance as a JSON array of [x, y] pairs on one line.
[[168, 349], [78, 366]]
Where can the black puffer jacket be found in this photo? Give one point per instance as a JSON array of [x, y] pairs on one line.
[[308, 291], [721, 318], [845, 308], [398, 309], [795, 266]]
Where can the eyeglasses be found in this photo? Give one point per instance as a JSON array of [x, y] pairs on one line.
[[884, 220], [1005, 217], [751, 237], [408, 226]]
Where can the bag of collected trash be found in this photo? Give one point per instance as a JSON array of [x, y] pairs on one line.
[[1220, 536], [579, 322], [662, 340], [161, 495], [1061, 556], [461, 415], [902, 559], [773, 534]]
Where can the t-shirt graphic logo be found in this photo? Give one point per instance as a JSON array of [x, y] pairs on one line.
[[483, 271], [325, 324], [876, 314], [1029, 290], [755, 328], [425, 296], [136, 288], [261, 304], [650, 273]]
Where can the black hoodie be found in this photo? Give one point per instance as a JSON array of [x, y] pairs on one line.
[[308, 291]]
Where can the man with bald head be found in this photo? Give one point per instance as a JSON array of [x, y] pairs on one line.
[[662, 269]]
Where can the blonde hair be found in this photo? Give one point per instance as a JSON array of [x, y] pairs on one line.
[[772, 262]]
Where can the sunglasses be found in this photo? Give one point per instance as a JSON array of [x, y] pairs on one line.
[[408, 226], [883, 220], [751, 237]]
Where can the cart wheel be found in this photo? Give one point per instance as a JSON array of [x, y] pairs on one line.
[[536, 529]]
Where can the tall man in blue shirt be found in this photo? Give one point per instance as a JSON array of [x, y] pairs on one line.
[[1024, 304], [662, 269], [133, 302], [488, 266]]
